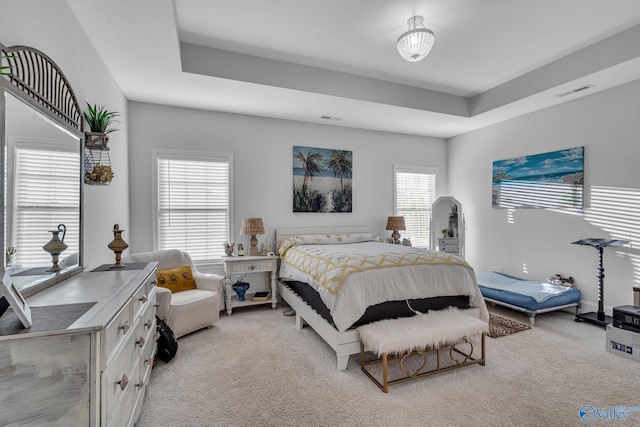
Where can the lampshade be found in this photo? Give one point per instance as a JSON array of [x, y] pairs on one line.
[[396, 223], [416, 43], [251, 226]]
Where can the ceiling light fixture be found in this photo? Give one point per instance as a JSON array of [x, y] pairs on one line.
[[416, 43]]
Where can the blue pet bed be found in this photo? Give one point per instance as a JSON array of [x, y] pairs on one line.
[[528, 296]]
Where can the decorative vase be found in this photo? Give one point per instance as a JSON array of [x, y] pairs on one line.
[[55, 246], [117, 245], [240, 288]]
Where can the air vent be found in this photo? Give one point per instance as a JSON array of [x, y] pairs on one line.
[[576, 90], [330, 118]]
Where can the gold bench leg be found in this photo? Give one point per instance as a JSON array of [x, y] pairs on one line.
[[385, 373]]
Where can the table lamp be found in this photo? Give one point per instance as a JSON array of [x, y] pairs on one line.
[[251, 227], [396, 223]]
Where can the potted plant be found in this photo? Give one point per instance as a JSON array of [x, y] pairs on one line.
[[99, 120]]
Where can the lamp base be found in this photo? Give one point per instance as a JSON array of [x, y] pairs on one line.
[[396, 237], [253, 245]]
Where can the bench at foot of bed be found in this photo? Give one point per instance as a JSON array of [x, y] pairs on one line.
[[422, 336]]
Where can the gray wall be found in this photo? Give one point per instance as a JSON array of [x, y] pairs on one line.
[[262, 150], [50, 26], [536, 243]]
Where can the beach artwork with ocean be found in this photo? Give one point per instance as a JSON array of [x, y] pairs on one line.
[[322, 180], [548, 180]]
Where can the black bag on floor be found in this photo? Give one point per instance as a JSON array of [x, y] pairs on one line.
[[167, 344]]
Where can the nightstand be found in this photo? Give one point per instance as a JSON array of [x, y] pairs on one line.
[[250, 264]]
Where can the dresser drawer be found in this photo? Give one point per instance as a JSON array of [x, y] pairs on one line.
[[451, 247], [447, 241], [146, 364], [139, 301], [142, 374], [122, 414], [143, 296], [148, 353], [141, 387], [117, 330], [119, 379], [148, 316]]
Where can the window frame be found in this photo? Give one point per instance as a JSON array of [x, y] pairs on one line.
[[186, 155], [417, 169]]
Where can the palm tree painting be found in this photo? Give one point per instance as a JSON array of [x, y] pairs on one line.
[[322, 180]]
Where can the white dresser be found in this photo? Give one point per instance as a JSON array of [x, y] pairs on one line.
[[450, 245], [93, 372]]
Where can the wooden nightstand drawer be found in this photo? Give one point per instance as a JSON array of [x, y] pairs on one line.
[[250, 265]]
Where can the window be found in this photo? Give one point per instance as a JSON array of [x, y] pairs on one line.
[[193, 202], [415, 189], [46, 193]]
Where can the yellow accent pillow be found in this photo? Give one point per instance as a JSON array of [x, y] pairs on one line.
[[177, 279]]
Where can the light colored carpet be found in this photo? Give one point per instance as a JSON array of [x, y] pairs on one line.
[[256, 369]]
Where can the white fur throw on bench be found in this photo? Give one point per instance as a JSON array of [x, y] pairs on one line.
[[420, 332]]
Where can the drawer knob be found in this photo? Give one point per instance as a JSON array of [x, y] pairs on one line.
[[123, 382], [143, 299], [148, 324], [140, 384], [154, 282], [140, 342], [252, 267], [125, 327]]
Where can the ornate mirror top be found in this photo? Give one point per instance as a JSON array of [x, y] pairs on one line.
[[35, 74]]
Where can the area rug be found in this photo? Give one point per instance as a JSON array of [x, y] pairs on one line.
[[500, 327]]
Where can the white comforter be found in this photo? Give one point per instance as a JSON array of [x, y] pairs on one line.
[[361, 289]]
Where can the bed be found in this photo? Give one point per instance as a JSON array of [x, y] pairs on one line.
[[528, 296], [338, 278]]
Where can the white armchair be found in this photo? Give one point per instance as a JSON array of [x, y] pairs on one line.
[[189, 310]]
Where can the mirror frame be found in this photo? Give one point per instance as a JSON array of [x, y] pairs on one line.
[[436, 226], [39, 83]]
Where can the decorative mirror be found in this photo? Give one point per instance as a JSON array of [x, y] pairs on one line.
[[447, 226], [41, 168]]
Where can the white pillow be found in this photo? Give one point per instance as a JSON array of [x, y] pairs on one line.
[[327, 239]]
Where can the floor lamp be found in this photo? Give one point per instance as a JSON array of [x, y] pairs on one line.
[[599, 318]]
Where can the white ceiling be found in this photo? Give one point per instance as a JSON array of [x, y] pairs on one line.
[[303, 59]]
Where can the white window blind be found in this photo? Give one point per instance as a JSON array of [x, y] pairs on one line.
[[46, 193], [194, 204], [415, 189]]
